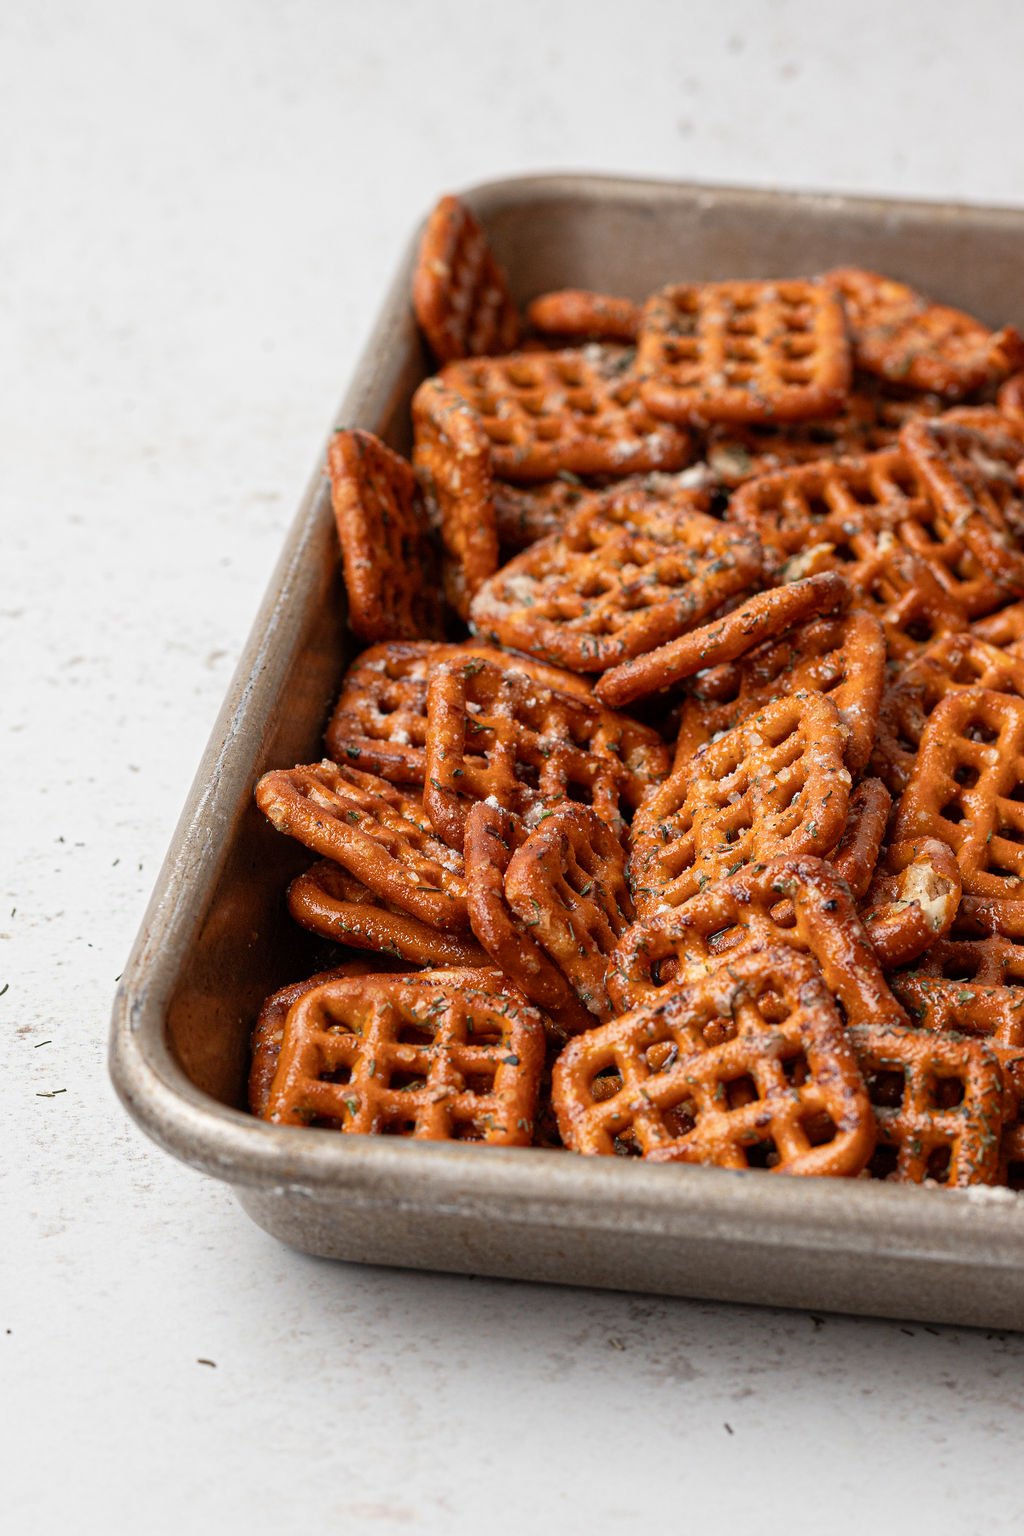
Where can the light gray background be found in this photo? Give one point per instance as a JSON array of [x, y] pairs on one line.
[[200, 205]]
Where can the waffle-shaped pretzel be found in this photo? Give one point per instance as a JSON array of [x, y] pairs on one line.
[[526, 513], [566, 883], [493, 836], [972, 475], [500, 735], [622, 577], [900, 336], [801, 904], [948, 665], [327, 900], [912, 901], [459, 292], [575, 314], [842, 656], [939, 1105], [269, 1030], [442, 1056], [743, 351], [388, 558], [547, 412], [967, 789], [379, 723], [377, 832], [452, 457], [773, 786], [748, 1066], [761, 617]]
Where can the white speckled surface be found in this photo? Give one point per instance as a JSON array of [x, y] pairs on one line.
[[201, 207]]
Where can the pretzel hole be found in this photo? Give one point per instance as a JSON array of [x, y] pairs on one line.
[[953, 811], [479, 1082], [819, 1128], [920, 629], [718, 1031], [966, 775], [961, 967], [1015, 1173], [605, 1085], [661, 1055], [980, 730], [681, 1119], [741, 1091], [937, 1166], [338, 1075], [796, 1070], [947, 1092], [884, 1162], [403, 1082], [1010, 833], [1017, 793], [392, 1127], [763, 1154], [626, 1145], [887, 1087]]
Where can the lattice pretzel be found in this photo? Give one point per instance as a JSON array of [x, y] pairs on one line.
[[967, 789], [438, 1056], [843, 657], [501, 736], [329, 901], [748, 1066], [580, 315], [622, 577], [548, 412], [773, 786], [377, 832], [452, 458], [744, 351], [939, 1105], [459, 292], [389, 559], [526, 513], [269, 1029]]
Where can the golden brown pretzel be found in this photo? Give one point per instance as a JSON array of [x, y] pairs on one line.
[[498, 735], [1005, 628], [773, 786], [452, 458], [387, 553], [624, 575], [329, 901], [548, 412], [764, 616], [748, 1066], [855, 856], [743, 351], [269, 1030], [577, 314], [526, 513], [459, 292], [912, 900], [442, 1056]]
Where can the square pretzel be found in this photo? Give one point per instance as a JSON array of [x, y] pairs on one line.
[[452, 459], [744, 351], [459, 292]]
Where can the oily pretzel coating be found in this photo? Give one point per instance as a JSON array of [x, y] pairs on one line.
[[1004, 629], [377, 832], [493, 836], [459, 292], [797, 904], [526, 513], [938, 1101], [967, 789], [743, 351], [566, 882], [912, 900], [773, 786], [577, 314], [441, 1056], [499, 735], [948, 665], [622, 577], [379, 723], [328, 901], [761, 617], [747, 1066], [841, 656], [855, 856], [269, 1029], [578, 411], [387, 553], [452, 458], [900, 336]]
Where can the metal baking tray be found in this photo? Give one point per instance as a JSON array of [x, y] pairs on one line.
[[216, 937]]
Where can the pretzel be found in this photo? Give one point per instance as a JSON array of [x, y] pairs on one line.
[[939, 1105], [500, 735], [622, 577], [948, 665], [761, 617], [871, 519], [526, 513], [459, 292], [773, 786], [379, 723], [855, 856], [327, 900], [748, 1066], [1011, 399], [452, 457], [387, 554], [576, 314], [967, 789], [440, 1056], [801, 904], [566, 882], [376, 832], [269, 1030], [743, 351], [912, 901], [903, 338], [843, 656], [548, 412], [1004, 629], [493, 836]]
